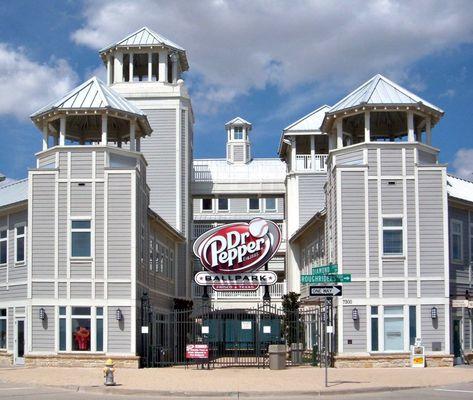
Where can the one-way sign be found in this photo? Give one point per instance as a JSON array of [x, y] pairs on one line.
[[328, 291]]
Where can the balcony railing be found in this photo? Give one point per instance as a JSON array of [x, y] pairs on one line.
[[276, 291], [304, 162]]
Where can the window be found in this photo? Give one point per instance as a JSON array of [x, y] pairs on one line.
[[238, 133], [158, 257], [20, 235], [81, 238], [3, 328], [456, 240], [392, 236], [471, 242], [374, 328], [3, 245], [253, 204], [151, 254], [412, 325], [62, 328], [99, 328], [270, 204], [222, 204], [80, 328], [207, 204], [84, 326], [393, 328], [171, 272]]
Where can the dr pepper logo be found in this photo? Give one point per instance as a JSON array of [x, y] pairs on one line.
[[238, 247]]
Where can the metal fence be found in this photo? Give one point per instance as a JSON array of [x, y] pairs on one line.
[[239, 337]]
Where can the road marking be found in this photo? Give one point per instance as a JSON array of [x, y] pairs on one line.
[[455, 390]]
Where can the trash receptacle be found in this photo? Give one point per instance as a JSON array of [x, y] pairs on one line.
[[277, 356], [296, 353]]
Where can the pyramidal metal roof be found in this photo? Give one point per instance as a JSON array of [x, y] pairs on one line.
[[310, 122], [93, 94], [379, 90], [238, 121], [13, 192]]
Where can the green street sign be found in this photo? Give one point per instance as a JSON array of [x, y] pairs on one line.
[[344, 278], [325, 270]]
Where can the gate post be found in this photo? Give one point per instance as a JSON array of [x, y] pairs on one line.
[[266, 296]]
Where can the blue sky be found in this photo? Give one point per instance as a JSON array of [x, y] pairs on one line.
[[268, 62]]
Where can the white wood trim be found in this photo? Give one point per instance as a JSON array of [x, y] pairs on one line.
[[178, 168], [133, 263], [339, 228], [405, 223], [380, 220], [105, 234], [367, 233], [94, 216], [30, 236], [417, 216]]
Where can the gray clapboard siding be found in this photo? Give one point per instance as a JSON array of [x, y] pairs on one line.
[[99, 290], [10, 328], [393, 289], [431, 223], [81, 199], [311, 195], [119, 290], [119, 332], [62, 290], [43, 330], [410, 161], [350, 158], [393, 267], [63, 164], [391, 197], [374, 289], [81, 165], [460, 214], [354, 330], [43, 229], [411, 229], [353, 223], [43, 290], [238, 153], [354, 289], [99, 164], [412, 288], [81, 290], [373, 227], [99, 230], [47, 161], [119, 225], [391, 161], [62, 230], [433, 330], [81, 270], [372, 162], [432, 289], [159, 150]]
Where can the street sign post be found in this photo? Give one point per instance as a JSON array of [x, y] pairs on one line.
[[335, 278], [325, 270], [329, 291]]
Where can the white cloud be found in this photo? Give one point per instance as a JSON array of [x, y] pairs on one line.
[[28, 85], [463, 164], [237, 46]]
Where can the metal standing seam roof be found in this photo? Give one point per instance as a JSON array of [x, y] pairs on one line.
[[459, 188], [14, 192], [379, 90], [310, 122], [147, 37]]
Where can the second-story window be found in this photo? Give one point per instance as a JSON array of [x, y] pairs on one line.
[[223, 204], [20, 235], [207, 204], [81, 238], [3, 245], [253, 204], [238, 133], [392, 236], [270, 204], [456, 240]]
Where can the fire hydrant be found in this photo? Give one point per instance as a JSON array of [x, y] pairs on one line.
[[108, 373]]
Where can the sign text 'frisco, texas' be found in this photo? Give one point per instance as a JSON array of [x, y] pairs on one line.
[[232, 253]]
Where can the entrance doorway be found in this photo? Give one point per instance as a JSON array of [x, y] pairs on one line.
[[19, 341], [457, 341]]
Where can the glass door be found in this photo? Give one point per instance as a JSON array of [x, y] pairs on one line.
[[19, 341]]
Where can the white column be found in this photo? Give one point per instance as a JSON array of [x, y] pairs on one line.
[[163, 65], [150, 66], [339, 133], [293, 154], [118, 70], [174, 68], [312, 152], [130, 77], [104, 130], [132, 135], [138, 144], [410, 127], [62, 131], [109, 70], [45, 135], [367, 127], [428, 133]]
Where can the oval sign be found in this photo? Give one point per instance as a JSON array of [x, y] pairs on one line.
[[239, 246]]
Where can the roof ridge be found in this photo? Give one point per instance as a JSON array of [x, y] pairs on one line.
[[306, 116]]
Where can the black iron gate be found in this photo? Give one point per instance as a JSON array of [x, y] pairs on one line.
[[236, 337]]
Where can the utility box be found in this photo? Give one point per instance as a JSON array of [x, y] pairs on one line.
[[277, 356], [418, 354]]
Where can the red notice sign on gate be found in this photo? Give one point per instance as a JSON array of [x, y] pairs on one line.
[[197, 351]]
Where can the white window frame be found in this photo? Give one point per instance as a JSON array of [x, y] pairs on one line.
[[453, 222], [15, 246], [5, 318], [254, 210], [5, 239], [240, 130], [381, 317], [275, 209], [471, 242], [151, 253], [223, 209], [82, 218], [393, 228], [202, 205]]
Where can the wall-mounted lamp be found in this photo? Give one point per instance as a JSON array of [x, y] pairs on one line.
[[433, 313], [118, 315], [42, 314], [354, 314]]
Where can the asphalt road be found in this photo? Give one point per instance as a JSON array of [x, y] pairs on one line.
[[17, 392]]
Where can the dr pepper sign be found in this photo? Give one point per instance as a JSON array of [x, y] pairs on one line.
[[233, 253]]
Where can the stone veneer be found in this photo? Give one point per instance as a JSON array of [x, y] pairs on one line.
[[6, 359], [390, 361], [80, 360]]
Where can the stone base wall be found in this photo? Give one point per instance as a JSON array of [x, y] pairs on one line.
[[80, 360], [6, 359], [390, 361]]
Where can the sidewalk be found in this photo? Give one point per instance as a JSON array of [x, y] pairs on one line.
[[178, 381]]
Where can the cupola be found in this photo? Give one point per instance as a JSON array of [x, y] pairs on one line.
[[238, 142]]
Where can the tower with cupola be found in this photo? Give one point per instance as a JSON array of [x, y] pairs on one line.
[[238, 141]]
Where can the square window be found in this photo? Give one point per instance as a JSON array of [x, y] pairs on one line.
[[254, 204], [223, 204], [270, 204], [207, 204]]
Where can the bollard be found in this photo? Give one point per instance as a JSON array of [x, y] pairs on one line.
[[108, 373]]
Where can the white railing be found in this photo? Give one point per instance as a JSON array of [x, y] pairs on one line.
[[276, 291], [304, 162]]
